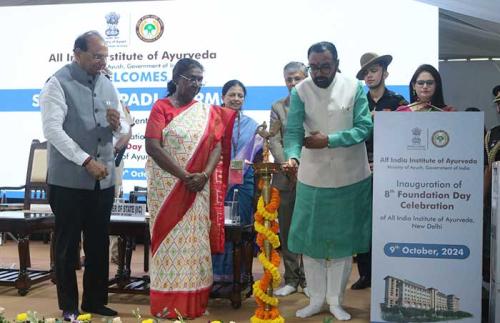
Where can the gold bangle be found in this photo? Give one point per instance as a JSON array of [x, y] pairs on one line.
[[206, 175]]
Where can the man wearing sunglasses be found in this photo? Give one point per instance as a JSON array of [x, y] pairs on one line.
[[80, 115], [374, 72], [328, 124]]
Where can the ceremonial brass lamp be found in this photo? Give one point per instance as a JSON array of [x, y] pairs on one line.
[[265, 170]]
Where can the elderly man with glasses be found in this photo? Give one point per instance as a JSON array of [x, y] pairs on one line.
[[81, 113], [328, 124]]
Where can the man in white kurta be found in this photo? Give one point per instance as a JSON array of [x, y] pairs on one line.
[[328, 122]]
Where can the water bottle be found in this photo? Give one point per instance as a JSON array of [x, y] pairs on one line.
[[235, 215]]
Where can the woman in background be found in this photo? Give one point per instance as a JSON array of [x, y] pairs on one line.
[[426, 91], [245, 147]]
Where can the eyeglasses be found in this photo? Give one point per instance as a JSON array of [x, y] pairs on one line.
[[98, 57], [324, 68], [424, 82], [194, 80]]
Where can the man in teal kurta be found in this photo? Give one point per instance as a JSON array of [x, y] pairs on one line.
[[328, 122]]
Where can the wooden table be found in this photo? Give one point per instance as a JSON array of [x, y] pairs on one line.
[[21, 224], [242, 238], [127, 228]]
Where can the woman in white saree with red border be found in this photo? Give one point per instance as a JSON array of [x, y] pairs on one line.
[[185, 140]]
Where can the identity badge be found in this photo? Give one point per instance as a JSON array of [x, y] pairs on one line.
[[236, 172]]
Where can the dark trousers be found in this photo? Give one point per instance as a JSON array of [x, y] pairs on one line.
[[365, 260], [77, 211], [294, 268], [365, 264]]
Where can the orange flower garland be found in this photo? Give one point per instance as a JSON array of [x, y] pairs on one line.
[[271, 272]]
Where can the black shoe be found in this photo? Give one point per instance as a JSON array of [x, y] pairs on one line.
[[103, 310], [362, 283], [70, 316]]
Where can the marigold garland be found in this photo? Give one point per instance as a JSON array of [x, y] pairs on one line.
[[265, 212], [273, 269], [271, 273], [268, 234]]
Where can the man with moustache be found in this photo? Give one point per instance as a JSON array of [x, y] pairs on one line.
[[80, 115], [293, 72], [374, 72], [328, 123]]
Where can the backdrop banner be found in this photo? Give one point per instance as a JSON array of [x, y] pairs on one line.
[[252, 43], [427, 217]]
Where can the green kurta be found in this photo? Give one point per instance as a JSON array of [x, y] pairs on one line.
[[330, 222]]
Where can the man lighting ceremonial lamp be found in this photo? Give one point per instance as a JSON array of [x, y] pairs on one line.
[[328, 123]]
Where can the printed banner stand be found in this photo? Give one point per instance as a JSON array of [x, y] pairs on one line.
[[427, 217], [494, 310]]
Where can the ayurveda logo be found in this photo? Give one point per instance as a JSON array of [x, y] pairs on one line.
[[440, 138], [149, 28]]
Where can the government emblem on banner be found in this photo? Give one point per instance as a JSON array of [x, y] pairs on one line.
[[416, 140], [112, 21], [149, 28]]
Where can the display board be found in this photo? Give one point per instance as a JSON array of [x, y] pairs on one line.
[[427, 217]]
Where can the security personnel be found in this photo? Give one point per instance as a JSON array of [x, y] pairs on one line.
[[374, 72]]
